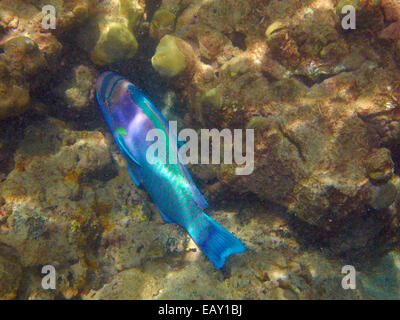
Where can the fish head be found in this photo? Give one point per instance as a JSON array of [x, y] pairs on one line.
[[122, 105], [114, 96], [112, 91]]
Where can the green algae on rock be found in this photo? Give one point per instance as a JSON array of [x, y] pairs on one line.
[[382, 281], [324, 103], [257, 122], [14, 100], [109, 37], [30, 50], [384, 195], [277, 267], [77, 92], [303, 78], [173, 56], [11, 274], [163, 23], [379, 165], [116, 43], [212, 98], [368, 13]]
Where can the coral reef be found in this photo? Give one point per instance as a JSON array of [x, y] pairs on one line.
[[162, 23], [391, 11], [381, 281], [310, 93], [324, 104], [173, 57], [11, 274], [110, 36], [68, 192], [77, 94]]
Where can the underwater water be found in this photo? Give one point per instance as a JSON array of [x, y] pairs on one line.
[[199, 149]]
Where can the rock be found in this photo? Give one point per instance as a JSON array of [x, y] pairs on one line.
[[381, 281], [212, 98], [33, 289], [368, 13], [397, 51], [342, 3], [116, 43], [257, 123], [110, 36], [173, 57], [14, 100], [324, 106], [132, 11], [237, 66], [24, 56], [29, 53], [163, 23], [70, 13], [274, 28], [130, 284], [384, 195], [286, 273], [77, 94], [297, 89], [50, 171], [11, 274], [211, 44], [379, 165]]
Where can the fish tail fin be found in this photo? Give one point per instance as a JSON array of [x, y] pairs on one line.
[[216, 242]]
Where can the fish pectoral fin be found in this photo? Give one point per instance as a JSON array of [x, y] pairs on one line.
[[163, 215], [134, 178], [126, 152], [133, 165]]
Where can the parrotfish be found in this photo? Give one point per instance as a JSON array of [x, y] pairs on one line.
[[130, 115]]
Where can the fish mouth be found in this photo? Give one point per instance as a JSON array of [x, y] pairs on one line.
[[100, 79], [103, 83]]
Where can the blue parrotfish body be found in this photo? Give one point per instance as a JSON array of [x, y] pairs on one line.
[[130, 115]]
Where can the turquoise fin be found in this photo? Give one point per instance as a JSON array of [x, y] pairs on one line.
[[135, 180], [217, 242], [132, 164], [126, 151]]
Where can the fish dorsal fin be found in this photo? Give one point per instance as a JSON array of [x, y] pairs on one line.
[[195, 192]]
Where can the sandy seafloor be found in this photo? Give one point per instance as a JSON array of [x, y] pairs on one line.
[[324, 103]]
